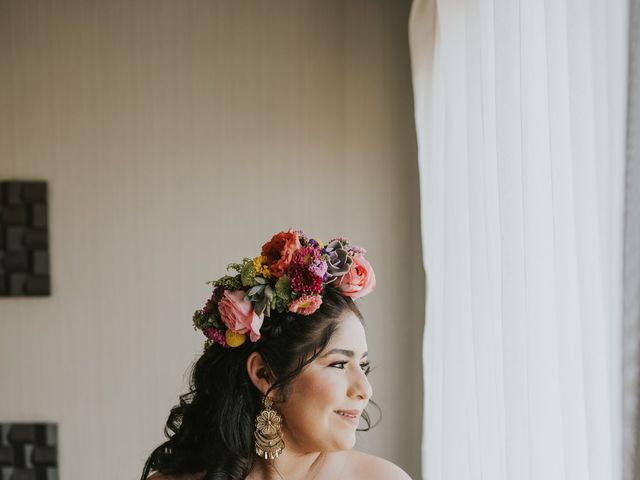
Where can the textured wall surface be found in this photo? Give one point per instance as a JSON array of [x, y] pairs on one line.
[[175, 137]]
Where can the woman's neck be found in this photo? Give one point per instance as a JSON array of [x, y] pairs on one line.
[[289, 466]]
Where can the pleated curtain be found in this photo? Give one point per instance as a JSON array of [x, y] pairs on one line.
[[520, 110]]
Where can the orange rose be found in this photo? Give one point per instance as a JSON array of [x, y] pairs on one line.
[[359, 280], [279, 251]]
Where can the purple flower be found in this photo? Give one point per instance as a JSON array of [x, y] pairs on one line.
[[216, 335], [307, 270], [356, 249], [218, 292]]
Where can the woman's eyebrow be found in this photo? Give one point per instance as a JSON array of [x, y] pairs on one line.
[[348, 353]]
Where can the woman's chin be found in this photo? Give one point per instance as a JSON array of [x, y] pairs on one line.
[[345, 442]]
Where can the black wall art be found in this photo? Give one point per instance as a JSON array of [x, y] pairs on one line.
[[24, 239], [28, 451]]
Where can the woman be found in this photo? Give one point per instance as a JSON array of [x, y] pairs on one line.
[[282, 384]]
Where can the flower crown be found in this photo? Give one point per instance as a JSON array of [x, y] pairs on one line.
[[290, 275]]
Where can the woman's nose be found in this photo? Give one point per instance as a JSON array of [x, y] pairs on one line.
[[361, 387]]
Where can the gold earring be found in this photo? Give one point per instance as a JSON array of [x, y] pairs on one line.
[[268, 433]]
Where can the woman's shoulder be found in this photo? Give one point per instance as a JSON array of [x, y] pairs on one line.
[[354, 465], [364, 465]]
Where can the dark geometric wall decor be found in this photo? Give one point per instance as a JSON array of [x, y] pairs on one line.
[[28, 451], [24, 239]]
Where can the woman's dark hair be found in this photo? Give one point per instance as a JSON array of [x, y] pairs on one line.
[[211, 430]]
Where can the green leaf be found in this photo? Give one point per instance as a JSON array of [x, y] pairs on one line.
[[268, 292], [280, 304], [283, 288], [259, 306], [258, 289]]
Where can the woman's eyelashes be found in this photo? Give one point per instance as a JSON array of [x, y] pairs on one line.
[[365, 366]]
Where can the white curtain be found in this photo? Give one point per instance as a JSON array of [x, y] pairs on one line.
[[520, 117]]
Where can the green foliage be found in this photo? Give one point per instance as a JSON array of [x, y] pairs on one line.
[[238, 266], [248, 273], [199, 319], [228, 282], [283, 288], [279, 304]]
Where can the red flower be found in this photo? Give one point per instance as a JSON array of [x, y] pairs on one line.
[[279, 251], [303, 280]]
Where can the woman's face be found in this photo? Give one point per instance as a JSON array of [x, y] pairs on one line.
[[323, 408]]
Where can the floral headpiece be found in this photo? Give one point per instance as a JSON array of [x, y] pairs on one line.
[[290, 275]]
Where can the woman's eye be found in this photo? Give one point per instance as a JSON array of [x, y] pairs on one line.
[[364, 366]]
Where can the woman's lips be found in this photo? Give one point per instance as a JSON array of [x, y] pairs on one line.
[[351, 416]]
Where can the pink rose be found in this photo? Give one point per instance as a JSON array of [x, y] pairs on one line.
[[238, 314], [359, 280]]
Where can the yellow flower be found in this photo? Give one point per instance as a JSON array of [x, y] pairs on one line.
[[260, 265], [234, 339], [320, 243]]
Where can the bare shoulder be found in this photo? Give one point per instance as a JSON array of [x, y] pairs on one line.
[[363, 465]]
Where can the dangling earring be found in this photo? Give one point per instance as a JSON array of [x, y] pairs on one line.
[[268, 433]]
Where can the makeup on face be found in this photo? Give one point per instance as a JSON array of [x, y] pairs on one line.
[[326, 402]]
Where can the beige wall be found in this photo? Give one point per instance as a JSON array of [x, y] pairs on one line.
[[177, 136]]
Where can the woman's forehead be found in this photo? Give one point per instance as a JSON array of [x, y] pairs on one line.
[[349, 335]]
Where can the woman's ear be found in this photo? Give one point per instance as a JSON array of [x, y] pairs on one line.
[[258, 372]]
